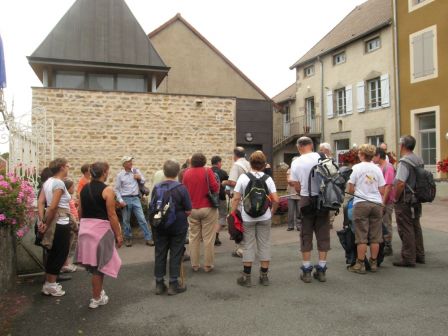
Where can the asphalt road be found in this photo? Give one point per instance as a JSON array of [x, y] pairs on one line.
[[393, 301]]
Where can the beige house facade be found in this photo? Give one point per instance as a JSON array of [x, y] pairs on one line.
[[345, 83], [198, 67]]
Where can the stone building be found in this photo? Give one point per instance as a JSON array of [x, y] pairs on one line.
[[422, 69], [345, 83], [197, 67], [104, 88]]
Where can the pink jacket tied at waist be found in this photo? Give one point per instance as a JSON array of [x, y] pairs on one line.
[[96, 246]]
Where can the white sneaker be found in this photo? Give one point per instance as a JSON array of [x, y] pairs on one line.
[[53, 289], [70, 268], [103, 300]]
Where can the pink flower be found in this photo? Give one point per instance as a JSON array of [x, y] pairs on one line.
[[2, 217]]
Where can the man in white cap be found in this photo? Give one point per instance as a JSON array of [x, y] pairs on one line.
[[128, 195]]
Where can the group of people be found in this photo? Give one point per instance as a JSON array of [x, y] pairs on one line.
[[190, 209]]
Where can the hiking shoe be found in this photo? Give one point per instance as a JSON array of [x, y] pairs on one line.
[[403, 264], [53, 289], [306, 274], [175, 288], [420, 260], [237, 253], [160, 287], [150, 242], [70, 268], [128, 242], [373, 265], [358, 267], [264, 280], [388, 251], [244, 280], [103, 300], [319, 273]]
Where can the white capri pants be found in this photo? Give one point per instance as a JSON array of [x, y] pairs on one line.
[[257, 233]]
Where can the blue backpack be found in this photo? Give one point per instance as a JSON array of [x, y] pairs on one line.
[[162, 210]]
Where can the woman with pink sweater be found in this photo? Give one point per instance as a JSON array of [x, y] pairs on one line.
[[99, 232]]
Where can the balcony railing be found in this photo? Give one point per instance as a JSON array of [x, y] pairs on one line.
[[298, 126]]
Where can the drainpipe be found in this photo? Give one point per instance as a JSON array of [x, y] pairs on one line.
[[153, 83], [397, 75], [322, 137]]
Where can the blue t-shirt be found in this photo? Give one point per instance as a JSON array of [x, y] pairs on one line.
[[182, 203]]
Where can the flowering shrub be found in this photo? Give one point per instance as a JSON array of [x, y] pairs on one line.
[[442, 166], [16, 203], [349, 158]]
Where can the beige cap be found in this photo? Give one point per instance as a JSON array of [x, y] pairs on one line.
[[126, 158]]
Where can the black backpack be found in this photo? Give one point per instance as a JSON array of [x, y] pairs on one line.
[[330, 182], [162, 210], [424, 189], [256, 200]]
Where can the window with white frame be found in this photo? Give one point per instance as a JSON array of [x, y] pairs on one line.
[[287, 114], [416, 4], [375, 140], [373, 44], [341, 146], [427, 137], [374, 93], [339, 58], [423, 53], [308, 71], [340, 101]]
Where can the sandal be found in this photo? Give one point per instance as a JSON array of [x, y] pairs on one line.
[[208, 269]]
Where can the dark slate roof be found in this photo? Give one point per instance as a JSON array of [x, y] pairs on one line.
[[363, 20], [99, 32]]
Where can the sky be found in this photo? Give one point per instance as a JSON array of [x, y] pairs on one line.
[[263, 38]]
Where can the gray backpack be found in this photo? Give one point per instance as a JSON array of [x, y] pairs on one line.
[[330, 183]]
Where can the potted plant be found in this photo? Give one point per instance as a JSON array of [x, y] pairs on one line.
[[16, 212]]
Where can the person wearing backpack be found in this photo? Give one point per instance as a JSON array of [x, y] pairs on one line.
[[169, 209], [220, 176], [240, 166], [408, 209], [256, 190], [312, 219], [367, 184]]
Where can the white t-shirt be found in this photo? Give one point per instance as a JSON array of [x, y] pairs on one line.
[[300, 172], [367, 178], [49, 187], [240, 187]]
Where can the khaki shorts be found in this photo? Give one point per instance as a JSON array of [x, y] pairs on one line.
[[317, 223], [368, 219]]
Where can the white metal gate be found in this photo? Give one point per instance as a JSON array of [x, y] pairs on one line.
[[30, 147]]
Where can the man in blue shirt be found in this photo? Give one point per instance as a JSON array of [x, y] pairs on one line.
[[127, 191]]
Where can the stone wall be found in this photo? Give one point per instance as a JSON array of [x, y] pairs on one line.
[[93, 125]]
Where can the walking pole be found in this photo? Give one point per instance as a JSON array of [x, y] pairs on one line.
[[182, 271], [290, 195], [345, 192]]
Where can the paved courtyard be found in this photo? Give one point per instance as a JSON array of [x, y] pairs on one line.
[[393, 301]]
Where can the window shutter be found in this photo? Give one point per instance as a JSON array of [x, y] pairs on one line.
[[330, 104], [360, 97], [348, 99], [385, 96], [417, 47], [428, 53]]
